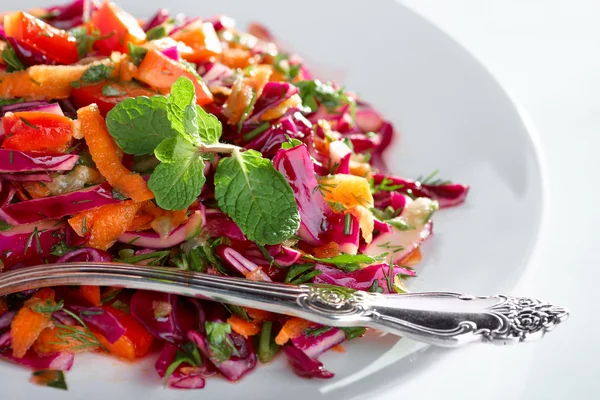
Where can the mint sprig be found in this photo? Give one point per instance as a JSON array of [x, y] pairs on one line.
[[182, 136]]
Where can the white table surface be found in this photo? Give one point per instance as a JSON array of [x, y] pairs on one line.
[[546, 53]]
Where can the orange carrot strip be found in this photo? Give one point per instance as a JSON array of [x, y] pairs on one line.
[[28, 324], [105, 224], [292, 328], [122, 348], [41, 82], [104, 152], [259, 315], [338, 348], [53, 340], [243, 327]]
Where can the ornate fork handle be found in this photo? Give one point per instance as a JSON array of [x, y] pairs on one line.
[[440, 318]]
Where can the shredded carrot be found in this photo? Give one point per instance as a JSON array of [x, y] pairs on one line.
[[105, 224], [91, 294], [42, 82], [237, 58], [259, 315], [104, 152], [292, 328], [122, 348], [243, 327], [54, 340], [28, 324]]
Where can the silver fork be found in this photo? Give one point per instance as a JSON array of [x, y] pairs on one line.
[[439, 318]]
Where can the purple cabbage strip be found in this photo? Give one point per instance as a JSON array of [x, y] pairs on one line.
[[274, 93], [7, 193], [361, 279], [448, 195], [28, 54], [305, 366], [219, 224], [35, 177], [158, 18], [20, 244], [86, 254], [68, 16], [6, 319], [240, 263], [57, 361], [5, 340], [281, 255], [58, 206], [314, 346], [103, 320], [292, 124], [178, 380], [21, 161]]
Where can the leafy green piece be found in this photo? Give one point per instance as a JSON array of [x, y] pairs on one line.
[[140, 124], [94, 74], [291, 143], [348, 262], [61, 248], [86, 40], [257, 197], [177, 184], [316, 92], [11, 60], [238, 311], [175, 149], [137, 53], [187, 353], [209, 126], [221, 346], [353, 332], [401, 224], [301, 273], [267, 348], [5, 226], [48, 307], [6, 102], [281, 64], [50, 378], [111, 91], [182, 95], [317, 331], [375, 288], [157, 32]]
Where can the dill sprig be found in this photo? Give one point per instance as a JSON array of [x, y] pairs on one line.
[[85, 336], [429, 179]]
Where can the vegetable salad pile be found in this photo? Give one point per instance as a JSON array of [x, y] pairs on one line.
[[184, 142]]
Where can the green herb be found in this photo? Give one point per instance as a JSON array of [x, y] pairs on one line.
[[118, 195], [247, 110], [178, 179], [89, 313], [111, 91], [386, 185], [256, 131], [50, 378], [257, 197], [389, 246], [70, 333], [317, 331], [94, 74], [239, 311], [220, 344], [301, 273], [282, 65], [48, 307], [5, 226], [348, 262], [157, 32], [267, 348], [11, 60], [197, 259], [157, 257], [389, 276], [86, 40], [353, 332], [401, 224], [428, 180], [290, 143], [140, 124], [6, 102], [316, 92], [347, 224], [187, 353], [28, 123], [385, 215], [61, 248], [84, 228], [137, 53], [10, 157], [375, 288]]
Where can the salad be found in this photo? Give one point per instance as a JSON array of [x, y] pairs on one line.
[[187, 143]]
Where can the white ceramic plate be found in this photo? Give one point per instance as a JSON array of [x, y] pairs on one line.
[[452, 116]]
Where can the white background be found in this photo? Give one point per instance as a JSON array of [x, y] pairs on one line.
[[546, 54]]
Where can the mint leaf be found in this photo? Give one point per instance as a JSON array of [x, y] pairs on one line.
[[182, 94], [157, 32], [348, 262], [175, 149], [221, 345], [85, 40], [140, 124], [177, 184], [257, 197], [190, 122], [210, 127], [137, 53]]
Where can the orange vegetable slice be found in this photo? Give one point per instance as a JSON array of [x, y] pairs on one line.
[[54, 340], [91, 294], [37, 131], [292, 328], [348, 190], [243, 327], [28, 324], [104, 152], [201, 38]]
